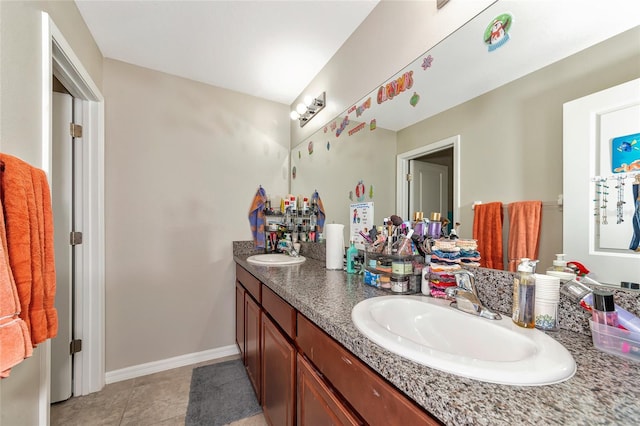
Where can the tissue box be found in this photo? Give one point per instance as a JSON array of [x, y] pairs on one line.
[[616, 341]]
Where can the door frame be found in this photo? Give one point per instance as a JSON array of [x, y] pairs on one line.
[[59, 59], [402, 169]]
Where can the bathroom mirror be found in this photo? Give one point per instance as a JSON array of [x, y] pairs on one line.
[[491, 115]]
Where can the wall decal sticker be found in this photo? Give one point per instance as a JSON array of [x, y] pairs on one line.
[[497, 32], [373, 124], [365, 105], [426, 62], [356, 129], [414, 99], [294, 172], [310, 147], [343, 125], [360, 190], [395, 87], [328, 145]]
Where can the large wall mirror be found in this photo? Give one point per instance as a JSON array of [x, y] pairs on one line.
[[483, 109]]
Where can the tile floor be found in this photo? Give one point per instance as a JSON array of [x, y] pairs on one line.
[[158, 399]]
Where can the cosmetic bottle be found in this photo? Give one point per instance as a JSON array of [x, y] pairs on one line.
[[433, 231], [524, 294], [604, 310], [352, 253]]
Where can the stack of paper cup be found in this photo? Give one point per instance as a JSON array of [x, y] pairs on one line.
[[547, 298]]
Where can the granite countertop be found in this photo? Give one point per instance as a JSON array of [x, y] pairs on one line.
[[604, 389]]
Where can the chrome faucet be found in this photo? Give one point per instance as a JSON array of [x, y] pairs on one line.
[[466, 296], [288, 248]]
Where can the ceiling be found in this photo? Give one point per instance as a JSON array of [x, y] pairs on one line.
[[268, 49]]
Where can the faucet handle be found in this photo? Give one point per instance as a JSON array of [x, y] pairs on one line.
[[465, 280]]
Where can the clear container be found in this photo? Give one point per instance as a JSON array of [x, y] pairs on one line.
[[616, 341]]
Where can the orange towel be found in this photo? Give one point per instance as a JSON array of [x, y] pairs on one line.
[[29, 230], [524, 231], [15, 342], [487, 230]]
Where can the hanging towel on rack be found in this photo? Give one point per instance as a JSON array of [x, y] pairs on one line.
[[29, 230], [321, 215], [257, 217], [524, 231], [487, 231], [15, 342], [635, 219]]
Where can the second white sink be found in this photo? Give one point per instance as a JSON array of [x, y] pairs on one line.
[[275, 259], [428, 331]]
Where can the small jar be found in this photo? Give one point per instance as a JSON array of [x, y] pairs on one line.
[[397, 267], [400, 284]]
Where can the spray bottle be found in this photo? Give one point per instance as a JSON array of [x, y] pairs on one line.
[[524, 294]]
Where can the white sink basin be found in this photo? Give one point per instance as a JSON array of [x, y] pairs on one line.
[[275, 259], [430, 332]]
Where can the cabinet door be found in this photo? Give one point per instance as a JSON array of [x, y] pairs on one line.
[[278, 375], [317, 403], [252, 342], [240, 319]]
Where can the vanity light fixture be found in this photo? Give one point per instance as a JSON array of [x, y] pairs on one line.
[[307, 110]]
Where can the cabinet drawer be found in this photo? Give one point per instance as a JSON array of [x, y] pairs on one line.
[[249, 282], [378, 402], [317, 403], [283, 313]]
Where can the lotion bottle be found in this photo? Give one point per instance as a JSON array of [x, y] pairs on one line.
[[524, 294]]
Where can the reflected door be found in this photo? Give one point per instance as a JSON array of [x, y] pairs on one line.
[[428, 188]]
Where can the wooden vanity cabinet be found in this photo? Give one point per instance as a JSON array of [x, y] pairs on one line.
[[303, 376]]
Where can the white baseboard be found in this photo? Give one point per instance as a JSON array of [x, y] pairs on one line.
[[169, 363]]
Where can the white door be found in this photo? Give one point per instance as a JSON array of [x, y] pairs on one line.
[[62, 201], [428, 188], [598, 210]]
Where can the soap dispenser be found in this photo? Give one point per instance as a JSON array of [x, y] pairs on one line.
[[352, 253], [524, 294], [560, 269]]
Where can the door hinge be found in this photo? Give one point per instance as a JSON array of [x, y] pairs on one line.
[[75, 238], [75, 346], [409, 177], [76, 130]]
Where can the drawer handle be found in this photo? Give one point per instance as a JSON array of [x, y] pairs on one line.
[[347, 360], [375, 393]]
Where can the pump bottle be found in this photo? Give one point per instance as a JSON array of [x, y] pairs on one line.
[[352, 253], [524, 294]]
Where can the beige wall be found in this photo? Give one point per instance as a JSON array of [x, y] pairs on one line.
[[183, 162], [21, 135], [512, 137]]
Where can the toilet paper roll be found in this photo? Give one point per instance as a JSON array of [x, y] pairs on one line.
[[334, 237]]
